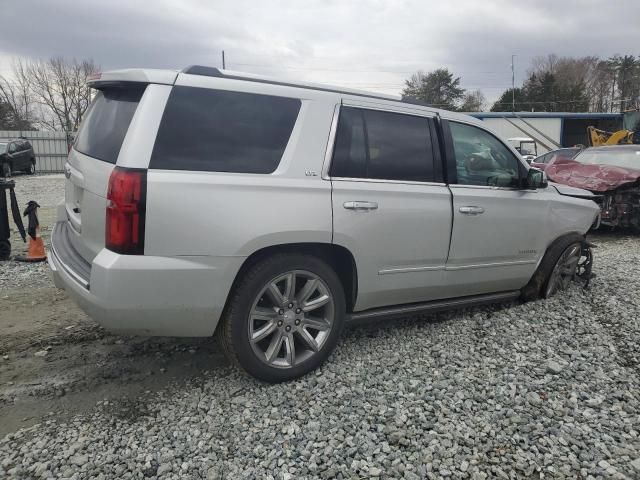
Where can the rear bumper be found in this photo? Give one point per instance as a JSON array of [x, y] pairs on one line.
[[147, 295]]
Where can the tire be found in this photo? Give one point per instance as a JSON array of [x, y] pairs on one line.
[[285, 326], [537, 286], [31, 169], [6, 170]]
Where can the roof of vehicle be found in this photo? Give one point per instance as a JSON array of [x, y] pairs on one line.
[[169, 77]]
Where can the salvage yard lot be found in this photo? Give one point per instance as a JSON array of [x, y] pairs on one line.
[[512, 391]]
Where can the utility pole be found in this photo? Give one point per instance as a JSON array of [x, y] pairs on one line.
[[224, 66], [513, 84], [613, 87]]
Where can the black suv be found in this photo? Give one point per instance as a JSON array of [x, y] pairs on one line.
[[16, 154]]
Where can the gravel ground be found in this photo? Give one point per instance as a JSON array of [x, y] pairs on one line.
[[46, 189], [548, 389]]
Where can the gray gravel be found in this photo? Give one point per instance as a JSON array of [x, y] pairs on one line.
[[17, 275], [548, 389], [46, 189]]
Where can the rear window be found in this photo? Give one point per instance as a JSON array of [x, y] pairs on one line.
[[223, 131], [106, 122]]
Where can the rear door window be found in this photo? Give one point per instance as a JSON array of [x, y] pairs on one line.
[[382, 145], [223, 131], [106, 122]]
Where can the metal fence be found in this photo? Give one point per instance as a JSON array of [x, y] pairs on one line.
[[50, 148]]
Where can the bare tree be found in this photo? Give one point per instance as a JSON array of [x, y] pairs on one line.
[[51, 94], [473, 101], [16, 93], [60, 88]]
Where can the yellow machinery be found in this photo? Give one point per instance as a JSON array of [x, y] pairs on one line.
[[598, 138]]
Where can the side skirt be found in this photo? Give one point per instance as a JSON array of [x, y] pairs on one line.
[[374, 314]]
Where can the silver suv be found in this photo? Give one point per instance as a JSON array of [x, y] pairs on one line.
[[272, 214]]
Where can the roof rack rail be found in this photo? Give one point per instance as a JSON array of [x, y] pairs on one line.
[[216, 72]]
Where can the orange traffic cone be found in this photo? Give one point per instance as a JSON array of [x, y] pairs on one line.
[[35, 251]]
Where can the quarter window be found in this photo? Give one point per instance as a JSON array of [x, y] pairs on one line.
[[223, 131], [481, 159], [382, 145]]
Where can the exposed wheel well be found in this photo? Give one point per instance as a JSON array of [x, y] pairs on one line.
[[532, 290], [339, 258]]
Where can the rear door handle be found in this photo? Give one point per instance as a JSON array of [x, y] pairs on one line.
[[471, 210], [360, 205]]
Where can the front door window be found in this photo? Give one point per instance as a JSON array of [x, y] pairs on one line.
[[481, 159]]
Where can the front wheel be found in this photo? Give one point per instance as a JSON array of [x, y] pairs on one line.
[[557, 268], [564, 271], [284, 317], [6, 170]]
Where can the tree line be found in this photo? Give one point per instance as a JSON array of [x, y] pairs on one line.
[[552, 84], [45, 94]]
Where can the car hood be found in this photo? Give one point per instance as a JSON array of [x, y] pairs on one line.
[[596, 178]]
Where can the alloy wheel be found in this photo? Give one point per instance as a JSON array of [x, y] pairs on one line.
[[291, 319], [564, 270]]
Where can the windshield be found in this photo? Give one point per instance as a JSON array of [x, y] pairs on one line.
[[3, 147], [627, 158], [527, 148]]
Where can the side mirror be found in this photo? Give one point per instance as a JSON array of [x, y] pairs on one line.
[[536, 179]]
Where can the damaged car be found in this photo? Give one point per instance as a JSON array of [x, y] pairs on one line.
[[613, 173]]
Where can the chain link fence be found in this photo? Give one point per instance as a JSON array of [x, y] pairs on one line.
[[50, 147]]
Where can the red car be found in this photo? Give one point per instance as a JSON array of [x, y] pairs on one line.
[[612, 172], [541, 161]]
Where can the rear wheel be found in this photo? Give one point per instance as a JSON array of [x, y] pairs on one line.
[[31, 169], [284, 318], [6, 170]]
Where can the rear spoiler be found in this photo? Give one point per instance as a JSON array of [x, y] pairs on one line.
[[132, 75]]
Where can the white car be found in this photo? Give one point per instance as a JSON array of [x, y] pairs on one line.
[[525, 146], [273, 213]]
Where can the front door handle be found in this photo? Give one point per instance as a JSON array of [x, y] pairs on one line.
[[360, 205], [471, 210]]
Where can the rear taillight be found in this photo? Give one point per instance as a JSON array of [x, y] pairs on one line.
[[126, 206]]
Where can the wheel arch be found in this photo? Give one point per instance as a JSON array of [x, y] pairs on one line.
[[532, 290], [338, 257]]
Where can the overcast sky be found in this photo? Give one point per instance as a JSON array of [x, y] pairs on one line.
[[372, 45]]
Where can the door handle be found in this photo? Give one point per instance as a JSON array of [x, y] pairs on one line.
[[360, 205], [471, 210]]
